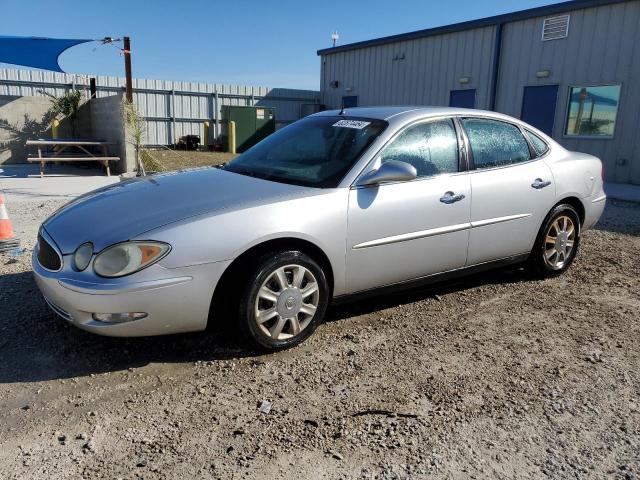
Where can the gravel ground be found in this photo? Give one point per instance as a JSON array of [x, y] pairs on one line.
[[495, 376], [167, 159]]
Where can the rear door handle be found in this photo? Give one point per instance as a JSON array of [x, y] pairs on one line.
[[538, 183], [450, 197]]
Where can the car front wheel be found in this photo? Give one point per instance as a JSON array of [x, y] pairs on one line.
[[557, 243], [285, 299]]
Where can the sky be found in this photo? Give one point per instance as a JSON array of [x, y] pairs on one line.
[[248, 42]]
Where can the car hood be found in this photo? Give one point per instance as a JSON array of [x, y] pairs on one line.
[[127, 209]]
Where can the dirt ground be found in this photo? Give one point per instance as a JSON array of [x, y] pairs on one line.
[[161, 160], [496, 376]]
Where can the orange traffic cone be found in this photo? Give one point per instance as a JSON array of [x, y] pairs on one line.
[[8, 239]]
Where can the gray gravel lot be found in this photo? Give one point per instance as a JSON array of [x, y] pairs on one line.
[[495, 376]]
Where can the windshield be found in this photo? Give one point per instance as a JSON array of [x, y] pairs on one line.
[[314, 152]]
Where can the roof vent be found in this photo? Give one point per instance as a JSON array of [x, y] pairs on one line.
[[555, 28]]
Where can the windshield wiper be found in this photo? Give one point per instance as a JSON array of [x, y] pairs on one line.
[[272, 177], [250, 173]]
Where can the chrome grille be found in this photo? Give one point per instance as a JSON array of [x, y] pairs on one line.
[[47, 255]]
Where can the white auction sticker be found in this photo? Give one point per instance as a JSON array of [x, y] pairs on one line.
[[359, 124]]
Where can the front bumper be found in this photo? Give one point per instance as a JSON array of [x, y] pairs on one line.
[[176, 300]]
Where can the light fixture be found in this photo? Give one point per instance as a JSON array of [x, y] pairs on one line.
[[83, 255], [118, 317], [464, 80], [129, 257], [543, 73]]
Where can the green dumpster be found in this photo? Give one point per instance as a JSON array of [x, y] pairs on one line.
[[252, 125]]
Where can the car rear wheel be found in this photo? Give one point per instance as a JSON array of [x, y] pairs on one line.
[[557, 243], [285, 299]]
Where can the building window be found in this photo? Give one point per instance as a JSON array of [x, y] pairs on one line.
[[592, 111]]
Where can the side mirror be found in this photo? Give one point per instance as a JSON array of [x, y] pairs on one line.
[[391, 171]]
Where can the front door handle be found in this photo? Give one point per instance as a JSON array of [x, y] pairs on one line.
[[538, 183], [450, 197]]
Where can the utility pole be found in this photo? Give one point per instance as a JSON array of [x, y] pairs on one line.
[[127, 68]]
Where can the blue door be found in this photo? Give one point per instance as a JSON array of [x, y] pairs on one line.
[[539, 107], [350, 101], [462, 98]]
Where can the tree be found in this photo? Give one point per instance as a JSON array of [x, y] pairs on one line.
[[137, 127], [67, 106]]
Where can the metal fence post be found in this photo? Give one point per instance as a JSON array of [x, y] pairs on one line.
[[216, 112], [173, 117]]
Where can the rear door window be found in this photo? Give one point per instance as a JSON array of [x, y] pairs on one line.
[[495, 143], [539, 145]]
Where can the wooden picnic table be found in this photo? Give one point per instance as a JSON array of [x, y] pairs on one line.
[[60, 152]]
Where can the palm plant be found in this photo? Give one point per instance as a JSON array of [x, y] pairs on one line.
[[67, 106]]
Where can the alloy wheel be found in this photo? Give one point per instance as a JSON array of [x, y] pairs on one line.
[[559, 242], [286, 302]]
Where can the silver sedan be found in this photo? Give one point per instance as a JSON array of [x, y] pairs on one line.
[[335, 205]]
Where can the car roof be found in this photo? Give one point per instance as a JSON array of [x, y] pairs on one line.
[[400, 115], [386, 113]]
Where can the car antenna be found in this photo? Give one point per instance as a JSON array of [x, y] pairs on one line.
[[342, 108]]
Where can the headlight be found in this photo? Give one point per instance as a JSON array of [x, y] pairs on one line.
[[83, 256], [129, 257]]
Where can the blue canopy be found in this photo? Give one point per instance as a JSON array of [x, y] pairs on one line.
[[35, 51]]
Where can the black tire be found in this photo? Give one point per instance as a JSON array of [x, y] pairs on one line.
[[539, 263], [264, 270]]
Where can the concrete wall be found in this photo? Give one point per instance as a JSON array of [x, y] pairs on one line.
[[107, 121], [24, 118], [21, 118]]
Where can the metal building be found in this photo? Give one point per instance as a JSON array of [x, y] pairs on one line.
[[571, 69]]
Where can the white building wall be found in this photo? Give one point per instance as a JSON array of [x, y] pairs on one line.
[[430, 69], [602, 47]]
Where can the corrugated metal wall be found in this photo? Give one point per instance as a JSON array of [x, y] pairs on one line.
[[430, 69], [172, 109], [603, 47]]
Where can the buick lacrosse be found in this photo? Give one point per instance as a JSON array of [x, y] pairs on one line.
[[337, 204]]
